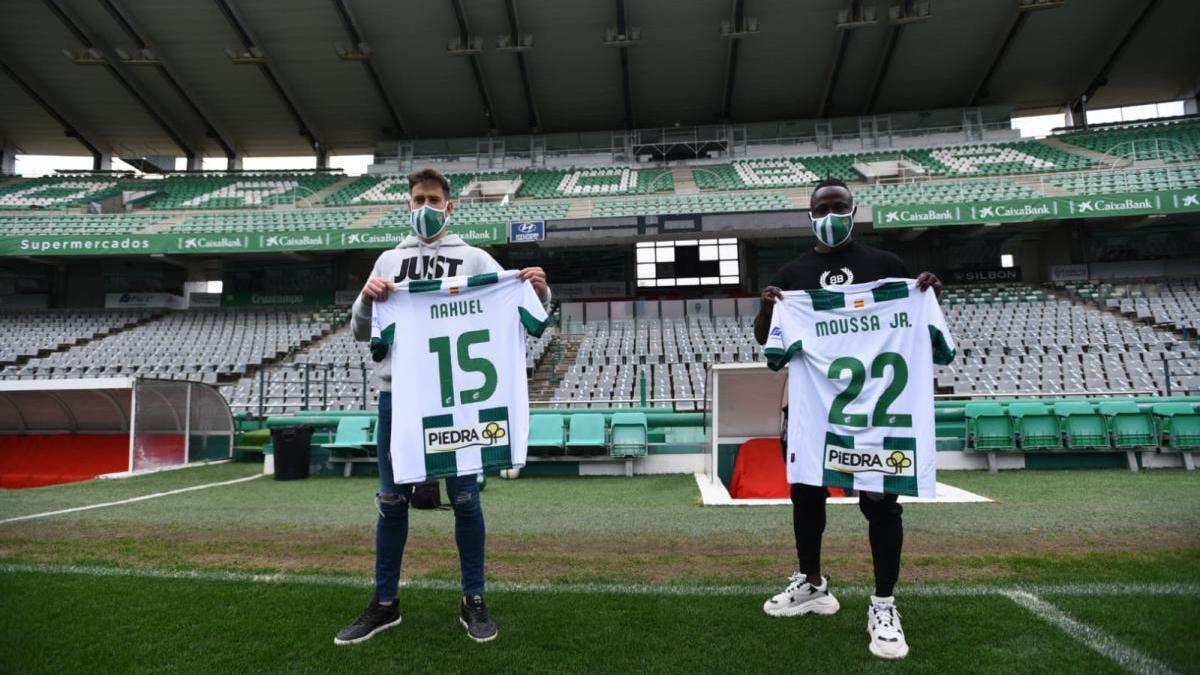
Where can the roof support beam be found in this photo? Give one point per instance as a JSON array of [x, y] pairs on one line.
[[122, 78], [1101, 77], [54, 111], [626, 90], [126, 22], [464, 32], [248, 41], [1010, 36], [739, 7], [885, 61], [839, 54], [343, 10], [514, 27]]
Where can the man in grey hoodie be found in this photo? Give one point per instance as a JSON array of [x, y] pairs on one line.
[[429, 253]]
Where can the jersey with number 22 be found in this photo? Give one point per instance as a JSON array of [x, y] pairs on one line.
[[860, 384]]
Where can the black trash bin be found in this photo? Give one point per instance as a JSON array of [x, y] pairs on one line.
[[292, 446]]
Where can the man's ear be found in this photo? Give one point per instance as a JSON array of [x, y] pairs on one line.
[[449, 207]]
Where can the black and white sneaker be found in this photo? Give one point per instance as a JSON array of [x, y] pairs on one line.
[[802, 597], [376, 618], [476, 620]]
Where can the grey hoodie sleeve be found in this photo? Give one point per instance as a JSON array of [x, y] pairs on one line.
[[361, 314]]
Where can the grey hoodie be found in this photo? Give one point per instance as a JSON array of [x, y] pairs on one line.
[[449, 256]]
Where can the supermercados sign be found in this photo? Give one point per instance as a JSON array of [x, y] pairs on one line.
[[258, 242], [1044, 208]]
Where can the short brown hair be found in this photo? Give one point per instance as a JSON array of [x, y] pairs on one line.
[[429, 175]]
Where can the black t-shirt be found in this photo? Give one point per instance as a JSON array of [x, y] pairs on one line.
[[850, 263]]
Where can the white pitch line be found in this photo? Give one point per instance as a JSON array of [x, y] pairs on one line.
[[1096, 639], [914, 590], [143, 498]]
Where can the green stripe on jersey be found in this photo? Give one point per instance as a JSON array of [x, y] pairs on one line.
[[823, 300], [424, 285], [778, 358], [901, 485], [531, 323], [942, 353], [482, 279], [893, 290], [830, 477]]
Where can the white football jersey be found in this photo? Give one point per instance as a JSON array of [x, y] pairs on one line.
[[860, 384], [460, 401]]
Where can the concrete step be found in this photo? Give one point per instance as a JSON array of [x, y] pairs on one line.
[[1105, 161], [319, 196], [685, 182], [373, 216], [580, 208]]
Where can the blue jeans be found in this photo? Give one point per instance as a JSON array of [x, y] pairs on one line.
[[391, 530]]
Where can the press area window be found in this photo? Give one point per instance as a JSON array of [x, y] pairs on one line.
[[688, 262]]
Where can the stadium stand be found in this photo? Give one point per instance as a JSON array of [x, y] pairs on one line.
[[470, 213], [33, 333], [1168, 141], [767, 201], [271, 221], [935, 192], [238, 191], [1016, 338], [393, 188], [56, 192], [201, 345], [15, 226], [587, 182], [997, 159], [1129, 180], [1167, 304]]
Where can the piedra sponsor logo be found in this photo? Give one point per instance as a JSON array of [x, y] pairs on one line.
[[84, 245], [452, 439], [850, 460]]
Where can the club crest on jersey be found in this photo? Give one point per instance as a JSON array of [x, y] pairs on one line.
[[841, 277], [460, 437], [868, 460]]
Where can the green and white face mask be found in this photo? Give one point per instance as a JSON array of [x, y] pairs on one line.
[[833, 229], [428, 222]]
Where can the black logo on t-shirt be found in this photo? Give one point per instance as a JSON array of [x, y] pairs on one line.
[[841, 277]]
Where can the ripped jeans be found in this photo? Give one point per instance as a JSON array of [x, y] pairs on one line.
[[391, 530]]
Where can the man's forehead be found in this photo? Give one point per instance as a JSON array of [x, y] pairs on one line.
[[832, 192]]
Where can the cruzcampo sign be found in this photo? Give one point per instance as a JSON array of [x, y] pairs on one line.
[[257, 242], [1042, 208]]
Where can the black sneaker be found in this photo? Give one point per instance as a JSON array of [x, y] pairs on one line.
[[476, 620], [374, 619]]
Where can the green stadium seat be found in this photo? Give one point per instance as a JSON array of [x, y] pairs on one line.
[[628, 434], [1180, 424], [1037, 428], [989, 428], [352, 439], [1084, 428], [587, 434], [1128, 425], [546, 434]]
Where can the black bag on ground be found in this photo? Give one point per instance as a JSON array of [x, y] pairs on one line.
[[427, 495], [292, 446]]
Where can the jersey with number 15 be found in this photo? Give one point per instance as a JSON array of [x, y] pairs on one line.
[[860, 384], [460, 401]]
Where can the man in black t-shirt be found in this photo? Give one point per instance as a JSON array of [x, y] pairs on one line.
[[837, 260]]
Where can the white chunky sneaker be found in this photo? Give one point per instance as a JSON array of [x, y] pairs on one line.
[[801, 597], [883, 625]]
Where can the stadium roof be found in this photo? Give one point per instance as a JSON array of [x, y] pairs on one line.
[[76, 64]]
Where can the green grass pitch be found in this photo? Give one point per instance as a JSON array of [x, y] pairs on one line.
[[595, 576]]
